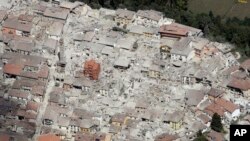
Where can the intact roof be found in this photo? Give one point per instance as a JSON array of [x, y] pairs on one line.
[[192, 30], [54, 12], [13, 69], [123, 13], [241, 84], [38, 90], [18, 93], [4, 137], [227, 105], [14, 23], [19, 83], [50, 113], [56, 29], [28, 60], [215, 108], [49, 137], [57, 98], [173, 29], [150, 14], [246, 64], [27, 74]]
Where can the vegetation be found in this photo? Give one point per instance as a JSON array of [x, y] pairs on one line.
[[216, 124], [225, 8], [216, 28], [200, 137]]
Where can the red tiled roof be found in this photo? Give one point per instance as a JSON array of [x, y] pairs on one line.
[[241, 84], [173, 30], [246, 64], [29, 74], [44, 72], [214, 108], [227, 105], [38, 90], [4, 137], [13, 69], [32, 106], [18, 93], [30, 115], [13, 23], [48, 137]]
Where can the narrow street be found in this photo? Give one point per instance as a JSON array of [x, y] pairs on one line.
[[44, 104]]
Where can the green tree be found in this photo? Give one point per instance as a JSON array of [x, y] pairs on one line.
[[216, 124], [247, 50], [181, 4], [200, 137]]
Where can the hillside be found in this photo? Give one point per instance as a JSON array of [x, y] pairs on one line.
[[228, 8]]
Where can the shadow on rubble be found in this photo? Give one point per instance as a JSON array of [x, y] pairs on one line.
[[14, 123]]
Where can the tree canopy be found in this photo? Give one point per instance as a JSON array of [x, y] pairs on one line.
[[200, 137], [216, 124]]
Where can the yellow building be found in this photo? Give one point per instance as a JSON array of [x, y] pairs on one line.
[[119, 119], [175, 119]]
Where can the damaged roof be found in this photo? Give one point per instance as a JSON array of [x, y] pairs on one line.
[[58, 13]]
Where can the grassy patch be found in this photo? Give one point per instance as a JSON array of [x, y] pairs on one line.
[[230, 8]]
